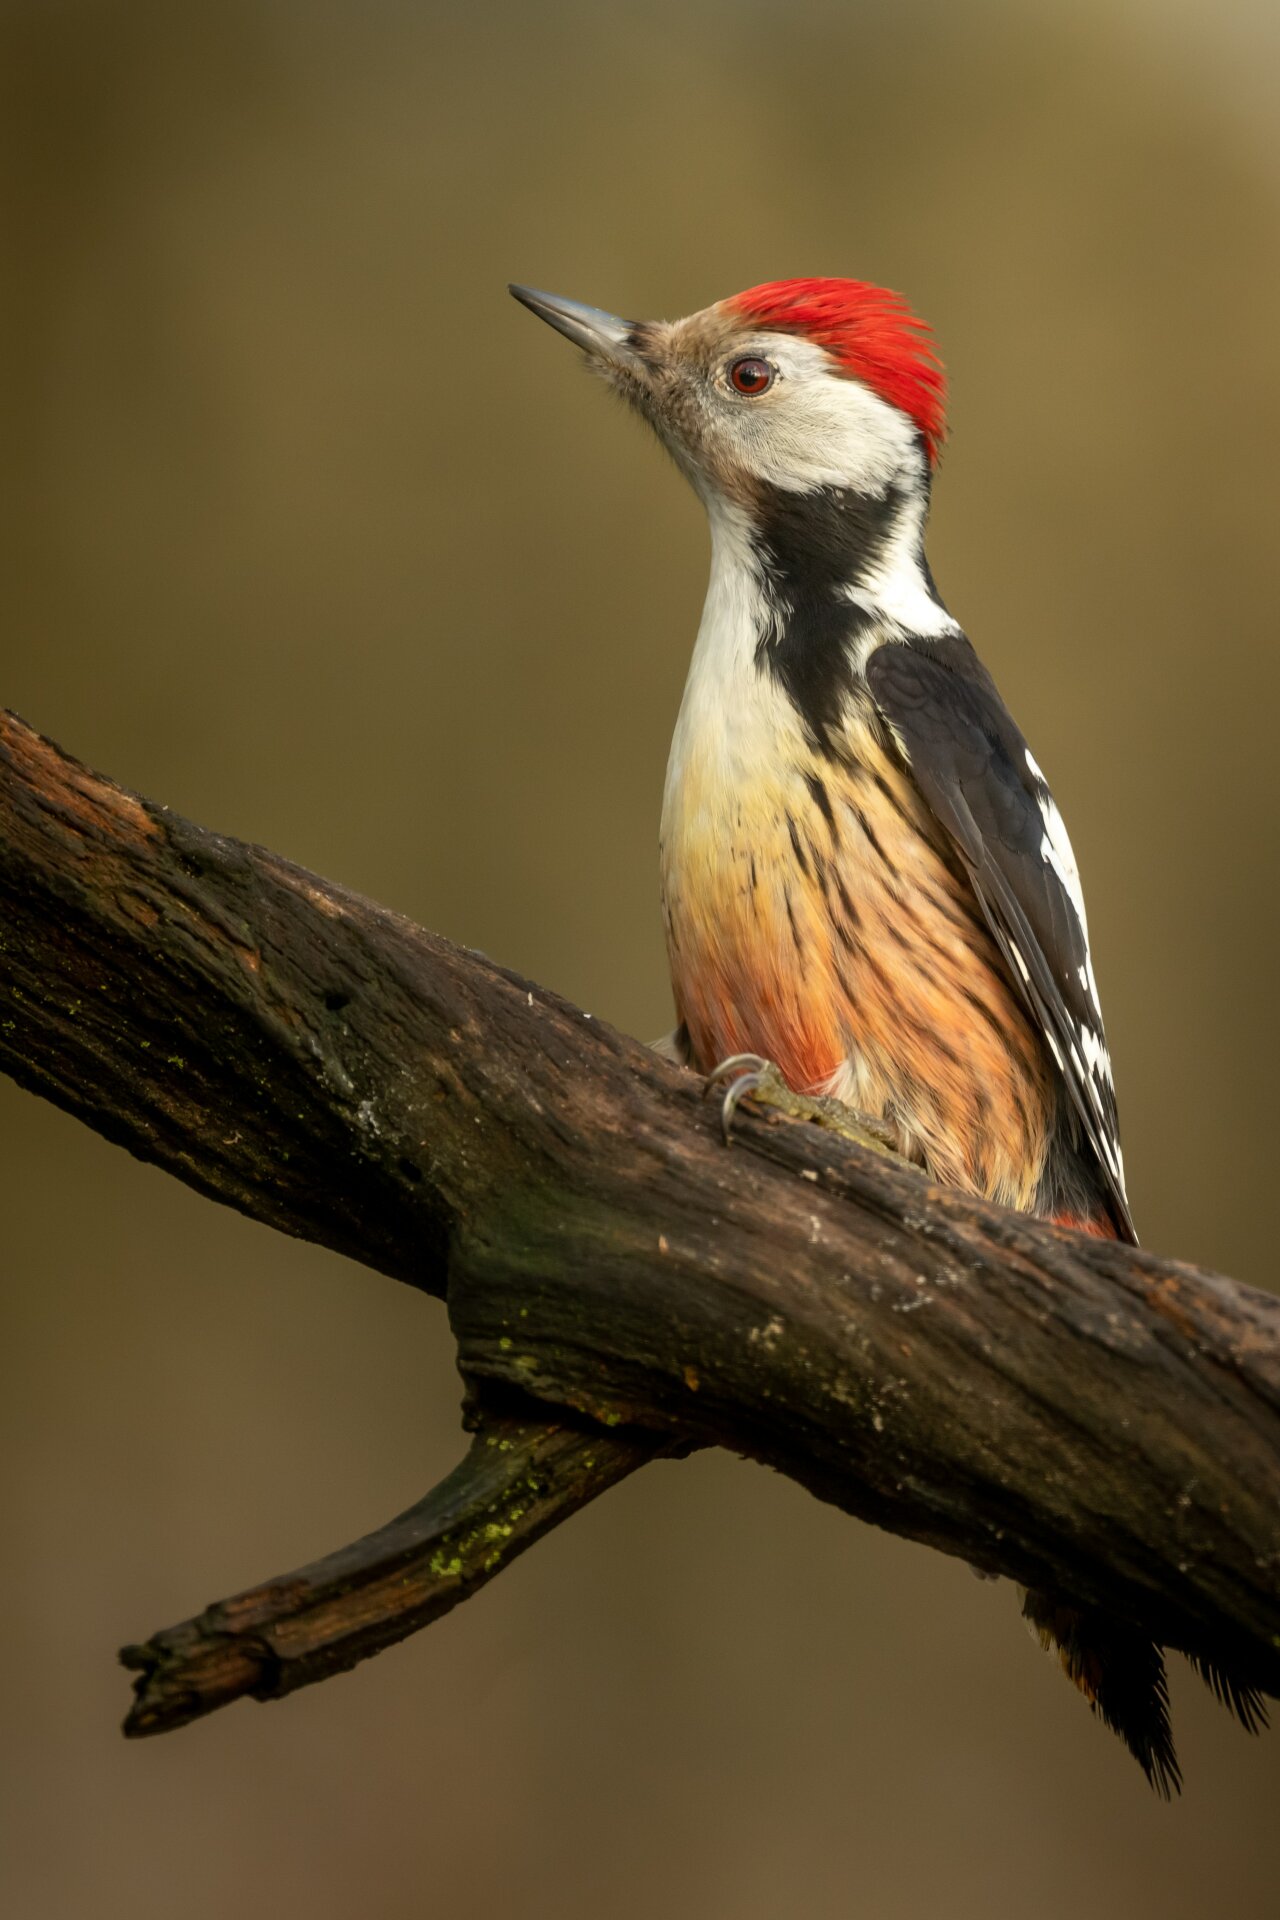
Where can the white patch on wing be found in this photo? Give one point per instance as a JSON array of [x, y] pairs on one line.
[[1089, 983], [1096, 1055], [1094, 1074], [1057, 852], [1055, 849], [1090, 1059]]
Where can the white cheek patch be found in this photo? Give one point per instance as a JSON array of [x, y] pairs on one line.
[[817, 427]]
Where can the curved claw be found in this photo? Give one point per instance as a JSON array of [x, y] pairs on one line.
[[735, 1064], [746, 1073], [735, 1094]]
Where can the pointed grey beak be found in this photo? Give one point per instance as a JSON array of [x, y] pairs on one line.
[[600, 334]]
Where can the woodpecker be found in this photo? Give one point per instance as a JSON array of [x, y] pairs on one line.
[[865, 877]]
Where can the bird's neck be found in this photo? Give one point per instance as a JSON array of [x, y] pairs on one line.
[[841, 571], [802, 586]]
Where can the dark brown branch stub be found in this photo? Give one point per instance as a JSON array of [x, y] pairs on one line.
[[1084, 1417], [519, 1479]]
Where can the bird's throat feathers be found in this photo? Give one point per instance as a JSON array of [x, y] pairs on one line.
[[804, 583]]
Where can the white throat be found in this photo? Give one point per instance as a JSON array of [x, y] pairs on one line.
[[737, 725], [734, 718]]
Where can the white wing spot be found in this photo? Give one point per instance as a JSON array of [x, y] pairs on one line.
[[1056, 851], [1089, 983], [1055, 848], [1091, 1061], [1095, 1052]]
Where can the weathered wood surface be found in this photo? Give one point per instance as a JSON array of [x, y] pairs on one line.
[[519, 1479], [1084, 1417]]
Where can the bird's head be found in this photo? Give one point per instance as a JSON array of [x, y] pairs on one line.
[[794, 385]]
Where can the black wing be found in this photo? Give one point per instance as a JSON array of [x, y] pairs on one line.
[[976, 772]]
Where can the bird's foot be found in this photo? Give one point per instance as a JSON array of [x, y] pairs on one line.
[[749, 1075]]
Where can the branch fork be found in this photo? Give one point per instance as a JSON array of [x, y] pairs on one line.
[[1079, 1415]]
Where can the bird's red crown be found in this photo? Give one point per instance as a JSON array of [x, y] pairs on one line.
[[871, 332]]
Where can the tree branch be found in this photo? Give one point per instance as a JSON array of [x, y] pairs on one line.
[[1077, 1414], [518, 1480]]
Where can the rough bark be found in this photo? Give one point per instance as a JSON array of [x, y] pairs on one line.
[[519, 1479], [1082, 1416]]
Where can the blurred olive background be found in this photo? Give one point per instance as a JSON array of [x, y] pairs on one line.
[[310, 533]]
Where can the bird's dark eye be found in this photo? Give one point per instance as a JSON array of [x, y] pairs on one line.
[[751, 376]]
